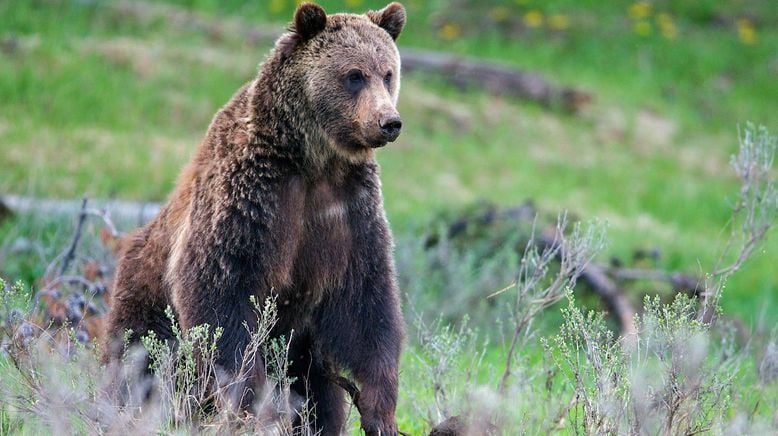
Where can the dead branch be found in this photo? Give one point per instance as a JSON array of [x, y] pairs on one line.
[[753, 215], [71, 251], [77, 305], [105, 217], [532, 269], [77, 280]]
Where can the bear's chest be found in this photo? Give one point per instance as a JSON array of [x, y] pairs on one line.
[[325, 245]]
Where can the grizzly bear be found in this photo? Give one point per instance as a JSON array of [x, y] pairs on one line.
[[282, 198]]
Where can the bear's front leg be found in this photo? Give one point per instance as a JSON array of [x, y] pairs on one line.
[[366, 339], [212, 280], [236, 243], [361, 328], [231, 310], [378, 402]]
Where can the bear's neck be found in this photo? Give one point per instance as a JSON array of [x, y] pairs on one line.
[[285, 123]]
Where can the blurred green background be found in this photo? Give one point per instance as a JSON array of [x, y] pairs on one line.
[[109, 99]]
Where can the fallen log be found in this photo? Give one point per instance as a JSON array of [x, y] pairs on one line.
[[127, 212], [678, 281], [612, 296], [494, 78], [606, 281]]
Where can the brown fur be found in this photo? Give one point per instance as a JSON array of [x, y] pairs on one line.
[[283, 197]]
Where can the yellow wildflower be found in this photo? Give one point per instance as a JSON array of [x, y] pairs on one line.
[[639, 10], [746, 31], [642, 28], [353, 3], [500, 14], [666, 26], [449, 31], [558, 22], [533, 18]]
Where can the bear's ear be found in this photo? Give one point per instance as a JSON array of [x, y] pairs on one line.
[[391, 18], [309, 20]]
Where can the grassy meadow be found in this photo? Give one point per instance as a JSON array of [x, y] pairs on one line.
[[109, 99]]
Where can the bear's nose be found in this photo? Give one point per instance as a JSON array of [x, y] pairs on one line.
[[390, 127]]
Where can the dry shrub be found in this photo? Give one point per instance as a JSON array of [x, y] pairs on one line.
[[680, 371], [56, 384]]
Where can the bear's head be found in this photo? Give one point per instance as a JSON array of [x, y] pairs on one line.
[[351, 75]]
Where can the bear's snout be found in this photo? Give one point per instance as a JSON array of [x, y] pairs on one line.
[[390, 127]]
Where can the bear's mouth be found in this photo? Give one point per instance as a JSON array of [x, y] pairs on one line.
[[348, 139], [370, 141]]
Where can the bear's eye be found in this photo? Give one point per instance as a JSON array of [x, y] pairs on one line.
[[355, 80], [388, 80]]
